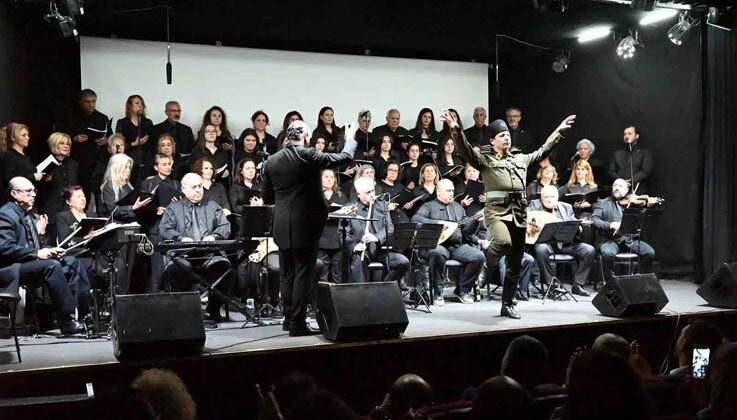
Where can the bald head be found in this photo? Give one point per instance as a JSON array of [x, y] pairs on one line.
[[501, 397], [619, 188], [445, 190], [549, 196], [22, 192], [192, 187], [612, 343], [409, 391]]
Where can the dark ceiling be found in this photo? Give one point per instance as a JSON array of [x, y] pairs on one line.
[[456, 30]]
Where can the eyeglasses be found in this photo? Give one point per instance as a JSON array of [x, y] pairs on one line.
[[28, 191]]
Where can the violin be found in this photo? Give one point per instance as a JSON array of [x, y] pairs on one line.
[[641, 201]]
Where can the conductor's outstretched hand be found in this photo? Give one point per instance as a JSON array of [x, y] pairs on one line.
[[567, 123], [350, 130]]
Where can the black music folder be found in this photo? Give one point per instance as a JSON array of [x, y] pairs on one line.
[[591, 197], [166, 194], [473, 189], [89, 223], [132, 196]]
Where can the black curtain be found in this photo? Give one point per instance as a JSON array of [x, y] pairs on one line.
[[10, 46], [720, 153]]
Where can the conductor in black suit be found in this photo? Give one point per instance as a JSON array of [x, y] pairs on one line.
[[292, 183]]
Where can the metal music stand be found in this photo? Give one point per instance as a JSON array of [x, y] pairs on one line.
[[551, 234], [635, 220], [416, 237], [344, 221], [257, 222]]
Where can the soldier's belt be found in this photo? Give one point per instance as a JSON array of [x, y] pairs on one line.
[[505, 195]]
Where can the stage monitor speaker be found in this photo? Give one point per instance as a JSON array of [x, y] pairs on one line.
[[156, 325], [639, 294], [360, 311], [720, 289]]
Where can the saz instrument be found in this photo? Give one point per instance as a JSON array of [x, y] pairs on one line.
[[258, 255], [450, 227], [536, 221]]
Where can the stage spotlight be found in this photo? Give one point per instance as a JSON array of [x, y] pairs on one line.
[[678, 33], [627, 46], [71, 8], [66, 25], [560, 64]]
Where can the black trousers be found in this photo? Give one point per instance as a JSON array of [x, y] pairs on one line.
[[264, 287], [507, 240], [398, 265], [297, 269], [184, 274], [66, 281]]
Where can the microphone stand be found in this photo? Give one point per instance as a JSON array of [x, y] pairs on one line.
[[632, 170]]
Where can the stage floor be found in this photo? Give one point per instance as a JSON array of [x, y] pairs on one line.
[[450, 321]]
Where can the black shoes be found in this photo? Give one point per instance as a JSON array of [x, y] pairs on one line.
[[285, 325], [509, 311], [71, 327], [579, 291], [302, 330], [521, 296]]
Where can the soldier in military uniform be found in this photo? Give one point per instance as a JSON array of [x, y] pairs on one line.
[[504, 175]]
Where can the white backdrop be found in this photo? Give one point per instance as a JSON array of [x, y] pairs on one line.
[[243, 80]]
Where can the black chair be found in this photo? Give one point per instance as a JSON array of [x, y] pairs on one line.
[[9, 297]]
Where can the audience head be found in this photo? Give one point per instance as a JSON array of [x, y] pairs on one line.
[[365, 189], [445, 190], [289, 118], [392, 119], [87, 101], [501, 397], [321, 405], [612, 343], [14, 133], [166, 145], [135, 106], [425, 119], [291, 386], [408, 392], [329, 180], [549, 196], [74, 197], [585, 149], [501, 140], [582, 174], [723, 382], [326, 118], [166, 393], [204, 167], [429, 173], [298, 132], [22, 192], [514, 117], [698, 334], [479, 116], [603, 385], [60, 145], [163, 164], [471, 173], [116, 144], [391, 170], [526, 361], [173, 111], [620, 188], [549, 174], [245, 171], [631, 133], [364, 119], [260, 120], [250, 140], [192, 187]]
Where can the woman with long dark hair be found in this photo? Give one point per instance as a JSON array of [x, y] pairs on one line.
[[248, 148], [266, 142], [327, 129], [216, 117], [289, 118], [205, 167], [424, 126], [207, 146], [329, 251], [449, 163], [246, 189]]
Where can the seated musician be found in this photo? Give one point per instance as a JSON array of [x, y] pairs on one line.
[[371, 238], [187, 220], [20, 243], [150, 216], [459, 246], [607, 219], [584, 253]]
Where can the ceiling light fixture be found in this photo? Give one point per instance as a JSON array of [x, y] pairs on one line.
[[628, 46], [678, 33]]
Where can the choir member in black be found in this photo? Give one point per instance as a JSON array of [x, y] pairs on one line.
[[116, 185], [14, 139], [607, 218], [385, 154], [400, 135], [366, 145], [330, 239], [424, 127], [207, 146], [318, 143], [521, 139], [181, 133], [450, 164], [89, 129], [51, 188], [216, 117], [411, 168], [150, 216], [546, 175], [327, 129], [444, 134], [584, 151], [467, 202], [642, 161], [584, 253], [365, 242], [581, 182], [266, 142], [248, 148], [425, 191], [20, 243], [289, 118], [115, 145], [390, 186], [459, 246], [192, 218], [166, 145], [215, 191], [246, 190], [478, 134], [136, 129], [69, 218]]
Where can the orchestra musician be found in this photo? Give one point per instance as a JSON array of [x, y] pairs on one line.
[[459, 246], [365, 239], [291, 181], [21, 246], [194, 219], [504, 176], [583, 252], [607, 218]]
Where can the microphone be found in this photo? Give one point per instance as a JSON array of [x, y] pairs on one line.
[[630, 145], [168, 73], [117, 149], [110, 219]]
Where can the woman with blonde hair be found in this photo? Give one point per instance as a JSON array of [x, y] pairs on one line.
[[116, 185], [429, 177], [14, 139], [546, 175], [66, 174], [581, 182]]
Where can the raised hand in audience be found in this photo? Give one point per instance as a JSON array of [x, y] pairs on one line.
[[449, 118], [268, 406]]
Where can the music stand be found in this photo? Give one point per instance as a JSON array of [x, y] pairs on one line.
[[551, 234], [257, 222], [635, 220], [344, 221], [416, 237]]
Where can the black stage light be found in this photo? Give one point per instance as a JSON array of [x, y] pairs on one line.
[[678, 33], [71, 8], [560, 64], [722, 18]]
